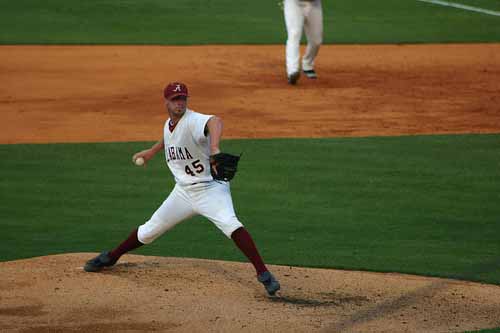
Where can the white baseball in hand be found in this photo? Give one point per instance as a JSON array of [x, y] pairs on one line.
[[139, 161]]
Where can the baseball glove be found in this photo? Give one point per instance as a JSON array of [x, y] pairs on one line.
[[223, 166]]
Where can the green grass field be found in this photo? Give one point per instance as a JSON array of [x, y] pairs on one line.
[[493, 330], [419, 204], [229, 22]]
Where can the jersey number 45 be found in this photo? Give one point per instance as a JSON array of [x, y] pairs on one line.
[[197, 166]]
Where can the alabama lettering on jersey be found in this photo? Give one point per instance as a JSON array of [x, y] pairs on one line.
[[187, 149]]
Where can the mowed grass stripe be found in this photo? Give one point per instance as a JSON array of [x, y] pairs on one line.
[[228, 22], [419, 204]]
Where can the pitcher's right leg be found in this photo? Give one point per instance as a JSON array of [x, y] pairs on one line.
[[175, 209]]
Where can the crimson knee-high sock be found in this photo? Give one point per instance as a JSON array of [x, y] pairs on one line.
[[131, 243], [245, 243]]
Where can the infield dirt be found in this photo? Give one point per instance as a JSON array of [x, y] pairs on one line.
[[114, 93]]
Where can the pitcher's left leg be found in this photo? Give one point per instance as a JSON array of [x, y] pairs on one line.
[[313, 28], [245, 243], [216, 204]]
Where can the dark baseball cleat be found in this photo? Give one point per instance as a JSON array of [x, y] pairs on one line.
[[98, 263], [311, 74], [292, 78], [270, 283]]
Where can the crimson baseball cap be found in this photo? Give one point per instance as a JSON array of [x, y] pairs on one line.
[[175, 89]]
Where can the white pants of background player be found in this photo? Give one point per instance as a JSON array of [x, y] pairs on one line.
[[307, 16], [210, 199]]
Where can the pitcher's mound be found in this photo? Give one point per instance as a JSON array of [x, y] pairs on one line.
[[144, 294]]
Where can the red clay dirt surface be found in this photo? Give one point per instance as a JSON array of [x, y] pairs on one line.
[[114, 93]]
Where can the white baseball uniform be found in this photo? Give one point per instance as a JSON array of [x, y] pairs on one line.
[[187, 152], [301, 15]]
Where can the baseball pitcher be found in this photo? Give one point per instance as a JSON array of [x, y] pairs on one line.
[[202, 174]]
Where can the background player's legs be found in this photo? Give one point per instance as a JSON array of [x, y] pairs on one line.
[[294, 21], [313, 28]]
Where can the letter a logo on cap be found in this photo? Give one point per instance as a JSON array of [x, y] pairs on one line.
[[175, 89]]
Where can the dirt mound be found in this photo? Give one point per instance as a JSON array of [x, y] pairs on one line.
[[54, 294]]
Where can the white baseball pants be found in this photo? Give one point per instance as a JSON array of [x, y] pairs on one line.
[[209, 199], [307, 16]]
